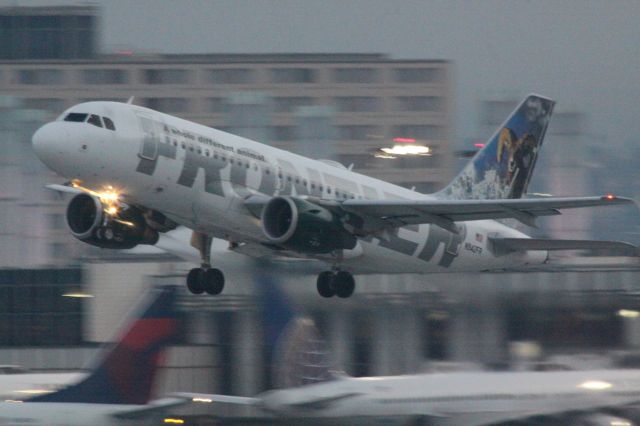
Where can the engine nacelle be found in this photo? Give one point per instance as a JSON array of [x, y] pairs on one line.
[[305, 227], [90, 223]]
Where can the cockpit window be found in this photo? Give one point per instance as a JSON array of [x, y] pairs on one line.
[[108, 123], [95, 120], [76, 117]]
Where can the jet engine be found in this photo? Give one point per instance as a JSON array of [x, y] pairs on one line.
[[299, 225], [108, 226]]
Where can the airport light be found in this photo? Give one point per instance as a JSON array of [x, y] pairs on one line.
[[78, 295], [628, 313], [404, 147], [174, 421], [595, 385]]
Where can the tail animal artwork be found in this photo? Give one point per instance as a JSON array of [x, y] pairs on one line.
[[503, 167]]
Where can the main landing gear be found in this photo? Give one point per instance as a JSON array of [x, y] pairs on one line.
[[205, 279], [338, 283]]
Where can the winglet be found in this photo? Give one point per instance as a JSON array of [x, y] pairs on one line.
[[131, 99], [126, 373]]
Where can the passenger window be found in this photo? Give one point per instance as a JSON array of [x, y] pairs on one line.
[[95, 120], [108, 123], [76, 117]]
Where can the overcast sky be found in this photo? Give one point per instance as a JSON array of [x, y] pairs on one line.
[[583, 53]]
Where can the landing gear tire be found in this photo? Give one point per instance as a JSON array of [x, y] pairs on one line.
[[195, 281], [343, 284], [325, 284], [213, 281]]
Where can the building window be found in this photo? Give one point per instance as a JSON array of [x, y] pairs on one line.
[[41, 76], [420, 103], [293, 75], [355, 75], [104, 76], [168, 105], [286, 104], [47, 104], [417, 75], [215, 105], [357, 132], [283, 133], [358, 104], [418, 131], [166, 76], [231, 76], [34, 310]]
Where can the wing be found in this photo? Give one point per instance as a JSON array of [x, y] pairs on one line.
[[380, 214]]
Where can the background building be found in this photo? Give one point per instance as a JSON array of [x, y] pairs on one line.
[[342, 106]]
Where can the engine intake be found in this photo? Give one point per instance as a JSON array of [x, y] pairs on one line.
[[89, 223], [305, 227]]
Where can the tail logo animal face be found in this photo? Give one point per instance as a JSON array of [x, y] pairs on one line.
[[515, 157]]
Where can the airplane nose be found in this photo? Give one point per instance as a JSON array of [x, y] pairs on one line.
[[49, 142]]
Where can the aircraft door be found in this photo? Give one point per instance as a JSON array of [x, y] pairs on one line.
[[149, 147]]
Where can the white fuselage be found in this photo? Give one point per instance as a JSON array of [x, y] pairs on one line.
[[24, 386], [68, 414], [461, 399], [199, 177]]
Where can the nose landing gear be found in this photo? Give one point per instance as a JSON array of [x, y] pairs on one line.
[[204, 279], [340, 283]]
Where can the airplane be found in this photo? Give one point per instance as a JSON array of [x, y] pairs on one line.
[[309, 390], [136, 173], [17, 382], [118, 389]]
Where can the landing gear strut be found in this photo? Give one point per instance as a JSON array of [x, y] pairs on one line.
[[205, 278], [339, 283]]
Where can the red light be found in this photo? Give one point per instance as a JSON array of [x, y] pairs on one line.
[[478, 145], [609, 197], [404, 140]]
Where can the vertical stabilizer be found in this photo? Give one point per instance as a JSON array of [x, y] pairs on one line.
[[126, 373], [503, 167], [299, 355]]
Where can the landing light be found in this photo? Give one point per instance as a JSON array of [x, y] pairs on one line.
[[595, 385]]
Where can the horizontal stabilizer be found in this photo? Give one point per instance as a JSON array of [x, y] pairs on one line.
[[154, 407], [507, 245], [323, 402]]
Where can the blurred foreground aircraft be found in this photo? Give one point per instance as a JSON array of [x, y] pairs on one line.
[[118, 388], [136, 173], [310, 391]]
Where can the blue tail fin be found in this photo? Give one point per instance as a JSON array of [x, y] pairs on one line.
[[503, 168], [126, 373], [298, 356]]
